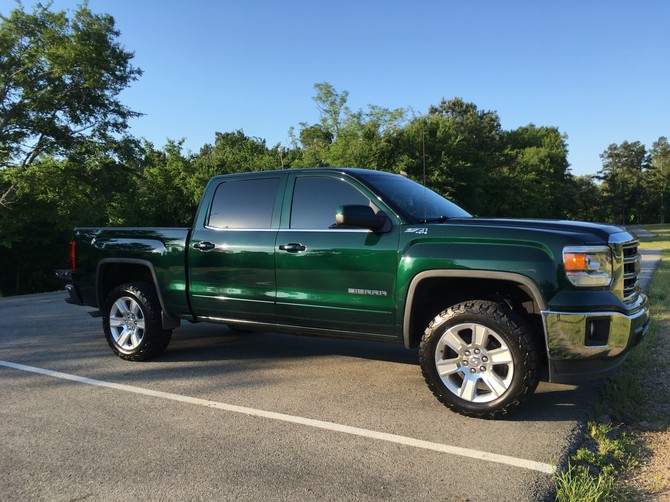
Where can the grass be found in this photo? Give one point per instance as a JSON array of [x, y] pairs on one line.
[[613, 446], [593, 471]]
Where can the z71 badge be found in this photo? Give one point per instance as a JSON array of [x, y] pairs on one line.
[[423, 231]]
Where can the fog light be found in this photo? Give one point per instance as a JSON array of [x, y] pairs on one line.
[[597, 332]]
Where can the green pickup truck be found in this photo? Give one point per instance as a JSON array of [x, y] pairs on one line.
[[492, 304]]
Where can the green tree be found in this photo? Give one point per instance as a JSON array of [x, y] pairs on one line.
[[660, 174], [315, 140], [332, 106], [585, 199], [456, 149], [89, 188], [63, 136], [163, 188], [368, 139], [536, 173], [33, 232], [60, 79], [622, 174]]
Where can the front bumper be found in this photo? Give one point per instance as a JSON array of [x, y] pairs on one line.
[[586, 345]]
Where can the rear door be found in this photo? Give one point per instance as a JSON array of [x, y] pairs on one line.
[[231, 253], [328, 277]]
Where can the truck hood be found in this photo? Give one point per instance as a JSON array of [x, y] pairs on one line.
[[583, 231]]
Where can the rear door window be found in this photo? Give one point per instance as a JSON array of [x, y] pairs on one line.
[[244, 204]]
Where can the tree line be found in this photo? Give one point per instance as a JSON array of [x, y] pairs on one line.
[[67, 158]]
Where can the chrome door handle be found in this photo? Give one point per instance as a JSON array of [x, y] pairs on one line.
[[293, 247], [204, 246]]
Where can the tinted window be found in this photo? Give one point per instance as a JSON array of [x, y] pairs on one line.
[[315, 201], [244, 204]]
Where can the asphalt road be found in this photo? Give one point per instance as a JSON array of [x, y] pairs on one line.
[[258, 416]]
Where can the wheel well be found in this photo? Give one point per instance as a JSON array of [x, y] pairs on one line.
[[111, 275], [433, 295]]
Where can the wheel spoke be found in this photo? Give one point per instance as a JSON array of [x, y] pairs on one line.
[[116, 322], [468, 390], [494, 383], [446, 367], [121, 306], [123, 337], [480, 335], [136, 310], [135, 339], [453, 340], [140, 324], [500, 356]]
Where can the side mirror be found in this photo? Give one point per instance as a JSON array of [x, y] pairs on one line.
[[360, 217]]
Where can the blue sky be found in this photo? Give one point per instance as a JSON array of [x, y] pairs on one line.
[[597, 70]]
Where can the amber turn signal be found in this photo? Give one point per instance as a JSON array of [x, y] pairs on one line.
[[575, 262]]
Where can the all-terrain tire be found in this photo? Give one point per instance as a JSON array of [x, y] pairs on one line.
[[131, 320], [480, 359]]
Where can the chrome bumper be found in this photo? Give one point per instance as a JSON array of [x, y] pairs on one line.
[[586, 345]]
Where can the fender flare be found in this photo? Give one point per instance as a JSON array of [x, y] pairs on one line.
[[168, 321], [525, 283]]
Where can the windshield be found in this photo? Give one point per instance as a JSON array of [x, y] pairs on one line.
[[412, 200]]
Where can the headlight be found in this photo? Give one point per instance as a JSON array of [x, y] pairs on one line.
[[588, 265]]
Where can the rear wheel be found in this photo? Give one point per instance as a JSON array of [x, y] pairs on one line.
[[479, 359], [132, 322]]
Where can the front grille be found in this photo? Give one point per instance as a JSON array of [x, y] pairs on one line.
[[632, 264]]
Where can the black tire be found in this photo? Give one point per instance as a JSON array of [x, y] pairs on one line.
[[132, 322], [479, 359]]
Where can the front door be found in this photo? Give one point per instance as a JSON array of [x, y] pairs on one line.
[[333, 278]]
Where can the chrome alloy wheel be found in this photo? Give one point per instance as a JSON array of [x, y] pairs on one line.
[[474, 362], [126, 323]]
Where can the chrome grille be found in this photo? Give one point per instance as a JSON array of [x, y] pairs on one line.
[[632, 264]]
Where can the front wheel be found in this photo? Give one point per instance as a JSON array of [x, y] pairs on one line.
[[132, 322], [479, 359]]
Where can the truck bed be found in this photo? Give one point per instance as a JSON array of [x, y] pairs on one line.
[[162, 251]]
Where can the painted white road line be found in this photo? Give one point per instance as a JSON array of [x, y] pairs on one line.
[[318, 424]]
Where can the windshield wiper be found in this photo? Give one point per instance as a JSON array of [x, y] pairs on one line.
[[439, 219]]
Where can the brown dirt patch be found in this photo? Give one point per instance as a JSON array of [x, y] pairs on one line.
[[653, 476]]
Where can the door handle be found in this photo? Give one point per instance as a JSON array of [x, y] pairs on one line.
[[293, 247], [204, 246]]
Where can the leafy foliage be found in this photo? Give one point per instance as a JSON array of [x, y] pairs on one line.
[[66, 159], [163, 194], [660, 175], [537, 169], [62, 129], [59, 82], [458, 150], [622, 174]]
